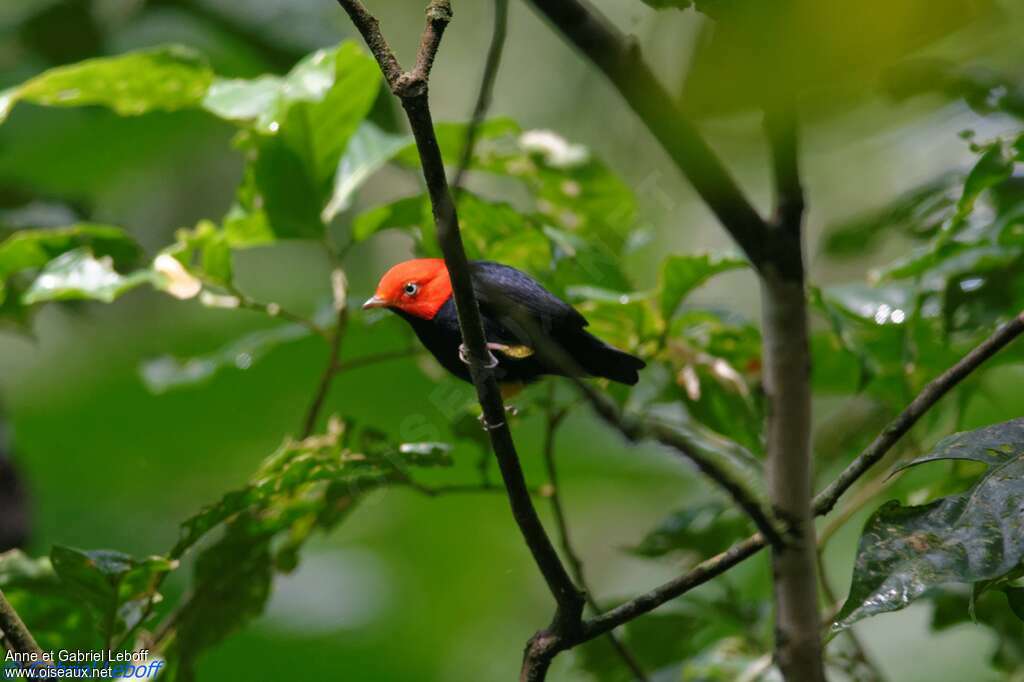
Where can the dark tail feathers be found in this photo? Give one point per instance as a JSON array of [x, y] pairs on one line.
[[601, 360]]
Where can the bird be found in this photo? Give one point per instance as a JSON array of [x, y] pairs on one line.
[[520, 317]]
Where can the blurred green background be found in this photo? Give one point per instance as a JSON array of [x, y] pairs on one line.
[[410, 587]]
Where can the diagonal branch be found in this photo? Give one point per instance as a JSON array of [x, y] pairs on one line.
[[411, 88], [823, 503], [925, 400], [619, 58], [637, 428]]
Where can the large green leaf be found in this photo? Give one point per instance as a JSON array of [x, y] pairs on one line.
[[296, 129], [964, 538], [159, 79]]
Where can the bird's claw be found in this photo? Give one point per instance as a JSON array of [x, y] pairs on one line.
[[492, 361], [510, 410]]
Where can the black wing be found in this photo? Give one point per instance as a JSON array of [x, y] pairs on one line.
[[504, 292]]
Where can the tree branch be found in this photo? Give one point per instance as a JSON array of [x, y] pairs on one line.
[[824, 501], [636, 429], [619, 58], [15, 633], [925, 400], [411, 88]]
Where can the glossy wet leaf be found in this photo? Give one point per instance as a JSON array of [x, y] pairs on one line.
[[79, 274], [963, 538], [166, 78]]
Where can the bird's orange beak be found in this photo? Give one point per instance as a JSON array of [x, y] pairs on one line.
[[375, 302]]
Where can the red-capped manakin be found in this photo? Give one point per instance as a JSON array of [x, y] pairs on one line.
[[515, 308]]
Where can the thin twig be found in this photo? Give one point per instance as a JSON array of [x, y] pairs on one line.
[[486, 92], [553, 420], [411, 88], [327, 376], [246, 302], [925, 400]]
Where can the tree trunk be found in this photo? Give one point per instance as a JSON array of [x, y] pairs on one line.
[[787, 367]]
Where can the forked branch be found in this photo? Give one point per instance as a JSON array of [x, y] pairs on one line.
[[411, 88]]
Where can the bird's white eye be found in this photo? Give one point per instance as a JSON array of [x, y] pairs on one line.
[[411, 288]]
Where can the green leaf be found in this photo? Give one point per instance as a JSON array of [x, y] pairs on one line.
[[33, 249], [58, 618], [167, 373], [919, 213], [79, 274], [166, 78], [304, 486], [204, 251], [883, 305], [682, 274], [402, 213], [993, 167], [296, 130], [953, 607], [116, 586], [368, 151], [966, 538]]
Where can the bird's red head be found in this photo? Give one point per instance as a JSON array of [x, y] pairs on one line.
[[418, 287]]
